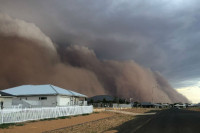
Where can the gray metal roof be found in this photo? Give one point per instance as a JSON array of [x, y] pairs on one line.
[[41, 90], [5, 94]]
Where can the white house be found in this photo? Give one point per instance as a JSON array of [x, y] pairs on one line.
[[45, 96], [5, 100], [180, 105]]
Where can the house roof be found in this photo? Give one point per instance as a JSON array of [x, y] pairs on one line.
[[3, 94], [41, 90]]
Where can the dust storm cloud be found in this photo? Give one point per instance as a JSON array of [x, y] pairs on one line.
[[28, 56]]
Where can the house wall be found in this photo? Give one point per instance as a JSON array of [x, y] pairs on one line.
[[7, 102], [51, 101], [63, 100], [69, 101]]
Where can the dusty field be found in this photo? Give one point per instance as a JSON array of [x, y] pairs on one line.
[[193, 109], [140, 110], [104, 125], [41, 126]]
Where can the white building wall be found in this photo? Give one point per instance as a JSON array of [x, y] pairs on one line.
[[36, 101], [63, 100], [51, 101], [7, 102]]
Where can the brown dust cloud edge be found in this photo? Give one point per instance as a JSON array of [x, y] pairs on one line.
[[28, 56]]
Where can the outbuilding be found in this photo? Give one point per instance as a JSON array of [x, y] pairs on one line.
[[45, 96]]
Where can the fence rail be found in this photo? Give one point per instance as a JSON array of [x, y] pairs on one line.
[[27, 114]]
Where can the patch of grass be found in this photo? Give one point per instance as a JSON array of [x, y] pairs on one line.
[[19, 124], [64, 117], [84, 114], [96, 112], [32, 121], [3, 126], [7, 125], [48, 119], [76, 115]]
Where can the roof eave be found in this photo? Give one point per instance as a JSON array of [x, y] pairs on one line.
[[36, 95]]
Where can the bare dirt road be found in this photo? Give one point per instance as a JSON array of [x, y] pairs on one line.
[[166, 121]]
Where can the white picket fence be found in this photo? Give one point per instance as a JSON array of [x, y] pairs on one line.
[[20, 115]]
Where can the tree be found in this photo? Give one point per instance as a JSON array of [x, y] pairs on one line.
[[91, 101], [136, 104], [115, 100], [121, 100], [104, 100]]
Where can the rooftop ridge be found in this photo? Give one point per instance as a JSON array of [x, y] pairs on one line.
[[64, 89], [53, 88]]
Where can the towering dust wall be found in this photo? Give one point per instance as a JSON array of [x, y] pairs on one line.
[[28, 56]]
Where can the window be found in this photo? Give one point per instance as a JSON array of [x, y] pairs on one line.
[[42, 98], [21, 98]]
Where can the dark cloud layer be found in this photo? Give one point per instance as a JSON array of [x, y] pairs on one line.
[[162, 35], [28, 56]]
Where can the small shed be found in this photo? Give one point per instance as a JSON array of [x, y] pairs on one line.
[[5, 100], [45, 96]]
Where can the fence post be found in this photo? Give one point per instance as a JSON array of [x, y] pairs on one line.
[[24, 113], [2, 116], [42, 114]]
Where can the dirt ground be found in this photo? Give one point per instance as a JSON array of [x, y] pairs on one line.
[[104, 125], [140, 110], [194, 109], [41, 126], [93, 123]]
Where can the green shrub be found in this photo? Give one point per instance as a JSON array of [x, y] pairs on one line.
[[84, 114], [19, 124], [3, 126], [64, 117]]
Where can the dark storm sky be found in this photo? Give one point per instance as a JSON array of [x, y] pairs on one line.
[[163, 35]]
